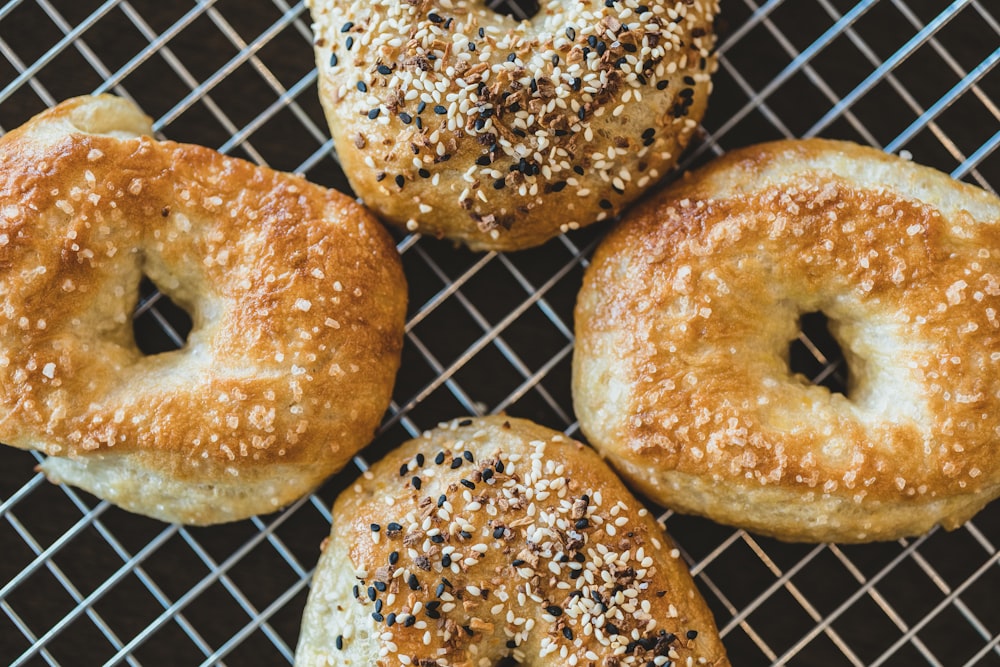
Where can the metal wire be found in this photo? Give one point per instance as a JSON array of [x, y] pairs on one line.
[[82, 582]]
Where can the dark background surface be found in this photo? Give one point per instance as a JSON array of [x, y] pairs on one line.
[[84, 582]]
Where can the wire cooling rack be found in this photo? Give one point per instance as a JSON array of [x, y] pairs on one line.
[[84, 583]]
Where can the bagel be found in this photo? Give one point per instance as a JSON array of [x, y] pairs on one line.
[[683, 324], [491, 538], [296, 294], [456, 121]]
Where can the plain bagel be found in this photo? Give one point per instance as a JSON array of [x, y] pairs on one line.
[[296, 294], [683, 327], [455, 120], [495, 537]]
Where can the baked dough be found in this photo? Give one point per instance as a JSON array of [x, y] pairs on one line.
[[683, 326], [454, 120], [495, 537], [296, 294]]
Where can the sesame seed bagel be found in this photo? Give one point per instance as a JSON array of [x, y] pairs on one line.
[[457, 121], [296, 294], [683, 325], [495, 537]]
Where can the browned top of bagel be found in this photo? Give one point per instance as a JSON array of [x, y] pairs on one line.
[[296, 295], [497, 537], [458, 121], [686, 316]]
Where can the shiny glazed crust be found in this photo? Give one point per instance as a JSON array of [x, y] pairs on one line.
[[685, 318], [496, 537], [296, 295], [460, 122]]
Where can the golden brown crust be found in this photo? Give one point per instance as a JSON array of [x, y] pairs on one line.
[[296, 294], [558, 563], [684, 323], [440, 132]]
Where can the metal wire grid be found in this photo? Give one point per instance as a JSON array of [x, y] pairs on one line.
[[86, 583]]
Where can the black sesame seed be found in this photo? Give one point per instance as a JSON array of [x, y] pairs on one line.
[[558, 186], [423, 173], [649, 132], [468, 630], [340, 642], [393, 529], [378, 617], [378, 605], [472, 46], [431, 613], [465, 422], [371, 593], [380, 586], [393, 558], [439, 590], [434, 18], [406, 118], [592, 41], [465, 535], [581, 114], [662, 85], [373, 113], [691, 634], [567, 633], [357, 592], [456, 463], [467, 484], [581, 523], [498, 532], [446, 560], [499, 184], [511, 643], [349, 42], [333, 60], [400, 182], [440, 110], [555, 610], [403, 470], [555, 60], [447, 24], [439, 459], [517, 562], [375, 527], [416, 480], [630, 48], [512, 57], [420, 460], [611, 629], [483, 160], [499, 466], [410, 620], [487, 474], [575, 574], [441, 500], [379, 177], [482, 33], [605, 204], [437, 539], [413, 583], [347, 26], [390, 620], [384, 70], [571, 33], [420, 123], [421, 106]]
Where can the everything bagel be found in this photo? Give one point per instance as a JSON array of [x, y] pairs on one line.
[[296, 294], [684, 322], [492, 538], [457, 121]]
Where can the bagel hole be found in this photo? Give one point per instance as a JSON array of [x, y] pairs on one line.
[[159, 324], [519, 10], [816, 354]]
